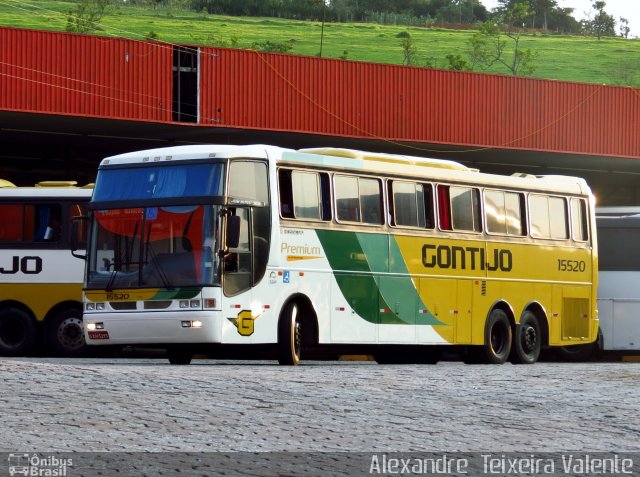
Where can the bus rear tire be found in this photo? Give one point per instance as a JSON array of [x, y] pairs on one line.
[[17, 333], [497, 339], [527, 342], [65, 334], [289, 336]]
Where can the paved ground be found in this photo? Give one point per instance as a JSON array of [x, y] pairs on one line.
[[57, 405]]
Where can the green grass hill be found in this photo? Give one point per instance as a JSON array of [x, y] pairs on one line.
[[567, 58]]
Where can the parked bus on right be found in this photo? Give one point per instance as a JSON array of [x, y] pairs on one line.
[[618, 287]]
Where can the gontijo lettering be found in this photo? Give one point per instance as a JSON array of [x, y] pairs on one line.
[[466, 258], [26, 265]]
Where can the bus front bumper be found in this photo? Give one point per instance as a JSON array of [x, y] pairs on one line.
[[142, 329]]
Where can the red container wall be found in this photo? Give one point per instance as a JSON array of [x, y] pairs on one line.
[[62, 73], [85, 75], [248, 89]]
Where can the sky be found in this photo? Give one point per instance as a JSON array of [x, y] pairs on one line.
[[629, 9]]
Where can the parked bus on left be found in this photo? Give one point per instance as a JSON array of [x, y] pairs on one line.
[[40, 279]]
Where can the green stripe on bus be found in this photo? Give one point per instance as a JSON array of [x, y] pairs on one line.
[[357, 260], [177, 294]]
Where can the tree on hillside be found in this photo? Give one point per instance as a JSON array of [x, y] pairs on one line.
[[562, 20], [624, 27], [460, 11], [602, 24], [543, 7], [540, 10], [489, 46], [86, 17]]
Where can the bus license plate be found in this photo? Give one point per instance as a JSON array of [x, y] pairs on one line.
[[99, 335]]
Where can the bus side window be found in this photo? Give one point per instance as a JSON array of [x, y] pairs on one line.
[[579, 228], [370, 201], [504, 212], [11, 218], [548, 217], [80, 240], [411, 204], [50, 223], [444, 208], [358, 199], [286, 193], [304, 195], [347, 199], [465, 208]]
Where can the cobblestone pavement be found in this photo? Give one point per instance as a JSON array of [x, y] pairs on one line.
[[58, 405]]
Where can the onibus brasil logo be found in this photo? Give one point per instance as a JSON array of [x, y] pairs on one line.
[[38, 466]]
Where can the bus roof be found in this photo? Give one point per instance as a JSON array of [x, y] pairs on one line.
[[45, 192], [177, 153], [355, 160]]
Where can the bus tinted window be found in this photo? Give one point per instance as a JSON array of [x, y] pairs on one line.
[[370, 201], [503, 211], [464, 209], [166, 181], [347, 201], [80, 239], [306, 195], [558, 218], [548, 217], [248, 180], [30, 223], [579, 229], [618, 249], [358, 199], [412, 204]]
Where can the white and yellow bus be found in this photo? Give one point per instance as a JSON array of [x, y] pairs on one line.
[[202, 248], [40, 280]]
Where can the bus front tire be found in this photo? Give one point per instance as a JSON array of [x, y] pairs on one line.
[[17, 332], [290, 336], [527, 341], [65, 334]]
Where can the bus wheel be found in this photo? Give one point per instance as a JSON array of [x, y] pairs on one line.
[[289, 336], [65, 334], [497, 337], [179, 355], [17, 332], [527, 341]]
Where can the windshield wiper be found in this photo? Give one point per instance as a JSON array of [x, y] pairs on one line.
[[154, 259], [112, 278]]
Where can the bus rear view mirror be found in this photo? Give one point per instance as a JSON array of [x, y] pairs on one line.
[[79, 230], [233, 231]]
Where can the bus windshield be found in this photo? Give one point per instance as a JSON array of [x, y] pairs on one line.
[[166, 181], [152, 247]]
